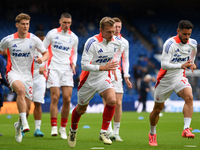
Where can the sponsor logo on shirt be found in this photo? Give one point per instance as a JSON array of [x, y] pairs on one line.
[[180, 59], [61, 47], [21, 54], [103, 59]]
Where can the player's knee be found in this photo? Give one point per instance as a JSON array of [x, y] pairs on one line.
[[81, 110], [118, 103], [189, 98], [20, 91], [67, 100], [111, 102]]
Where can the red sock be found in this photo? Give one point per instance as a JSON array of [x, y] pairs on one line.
[[53, 122], [64, 122], [107, 116], [75, 119]]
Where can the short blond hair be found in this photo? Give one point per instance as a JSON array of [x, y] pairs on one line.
[[117, 19], [22, 16], [106, 21]]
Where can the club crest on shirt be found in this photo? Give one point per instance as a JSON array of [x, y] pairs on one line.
[[30, 45]]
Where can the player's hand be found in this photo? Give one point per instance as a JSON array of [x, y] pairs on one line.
[[42, 70], [73, 68], [129, 84], [193, 67], [187, 64], [111, 65], [39, 60], [115, 74], [0, 76]]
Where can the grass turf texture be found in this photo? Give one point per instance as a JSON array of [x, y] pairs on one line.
[[133, 131]]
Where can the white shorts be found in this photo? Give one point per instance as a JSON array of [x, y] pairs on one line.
[[28, 83], [39, 87], [118, 85], [57, 78], [86, 92], [161, 94]]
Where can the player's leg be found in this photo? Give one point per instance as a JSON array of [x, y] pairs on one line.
[[110, 130], [66, 92], [187, 95], [75, 117], [117, 116], [55, 95], [110, 99], [19, 88], [154, 117], [37, 113]]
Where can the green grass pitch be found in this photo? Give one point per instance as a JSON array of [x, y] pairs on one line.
[[133, 131]]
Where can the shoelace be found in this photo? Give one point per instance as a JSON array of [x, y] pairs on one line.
[[106, 135], [152, 139], [72, 137]]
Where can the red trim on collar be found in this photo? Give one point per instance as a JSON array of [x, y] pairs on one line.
[[16, 36], [59, 30], [100, 38], [177, 39]]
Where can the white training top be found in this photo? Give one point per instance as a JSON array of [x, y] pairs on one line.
[[36, 64], [174, 54], [62, 48], [124, 54], [20, 58], [97, 52]]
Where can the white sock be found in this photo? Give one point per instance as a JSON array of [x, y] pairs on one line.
[[23, 118], [116, 127], [19, 124], [110, 128], [37, 124], [152, 129], [103, 131], [187, 122]]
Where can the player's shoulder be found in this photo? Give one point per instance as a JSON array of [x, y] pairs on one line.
[[124, 40], [74, 35], [52, 31], [8, 38], [193, 42]]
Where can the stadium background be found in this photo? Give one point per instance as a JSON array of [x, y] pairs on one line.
[[144, 21]]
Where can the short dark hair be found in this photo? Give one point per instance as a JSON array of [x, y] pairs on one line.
[[66, 15], [39, 34], [185, 24]]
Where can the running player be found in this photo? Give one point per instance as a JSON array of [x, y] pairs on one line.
[[114, 135], [96, 61], [178, 54], [20, 52], [63, 44], [39, 87]]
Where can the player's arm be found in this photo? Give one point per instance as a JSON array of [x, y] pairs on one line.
[[74, 56], [166, 57], [125, 65], [40, 47], [192, 58]]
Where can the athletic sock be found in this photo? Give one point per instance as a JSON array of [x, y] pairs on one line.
[[187, 122], [116, 127], [53, 122], [23, 118], [152, 129], [110, 130], [75, 119], [37, 124], [107, 116], [64, 122]]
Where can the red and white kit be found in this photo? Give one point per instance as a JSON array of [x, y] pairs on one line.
[[124, 54], [171, 77], [20, 60], [62, 48], [96, 52]]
